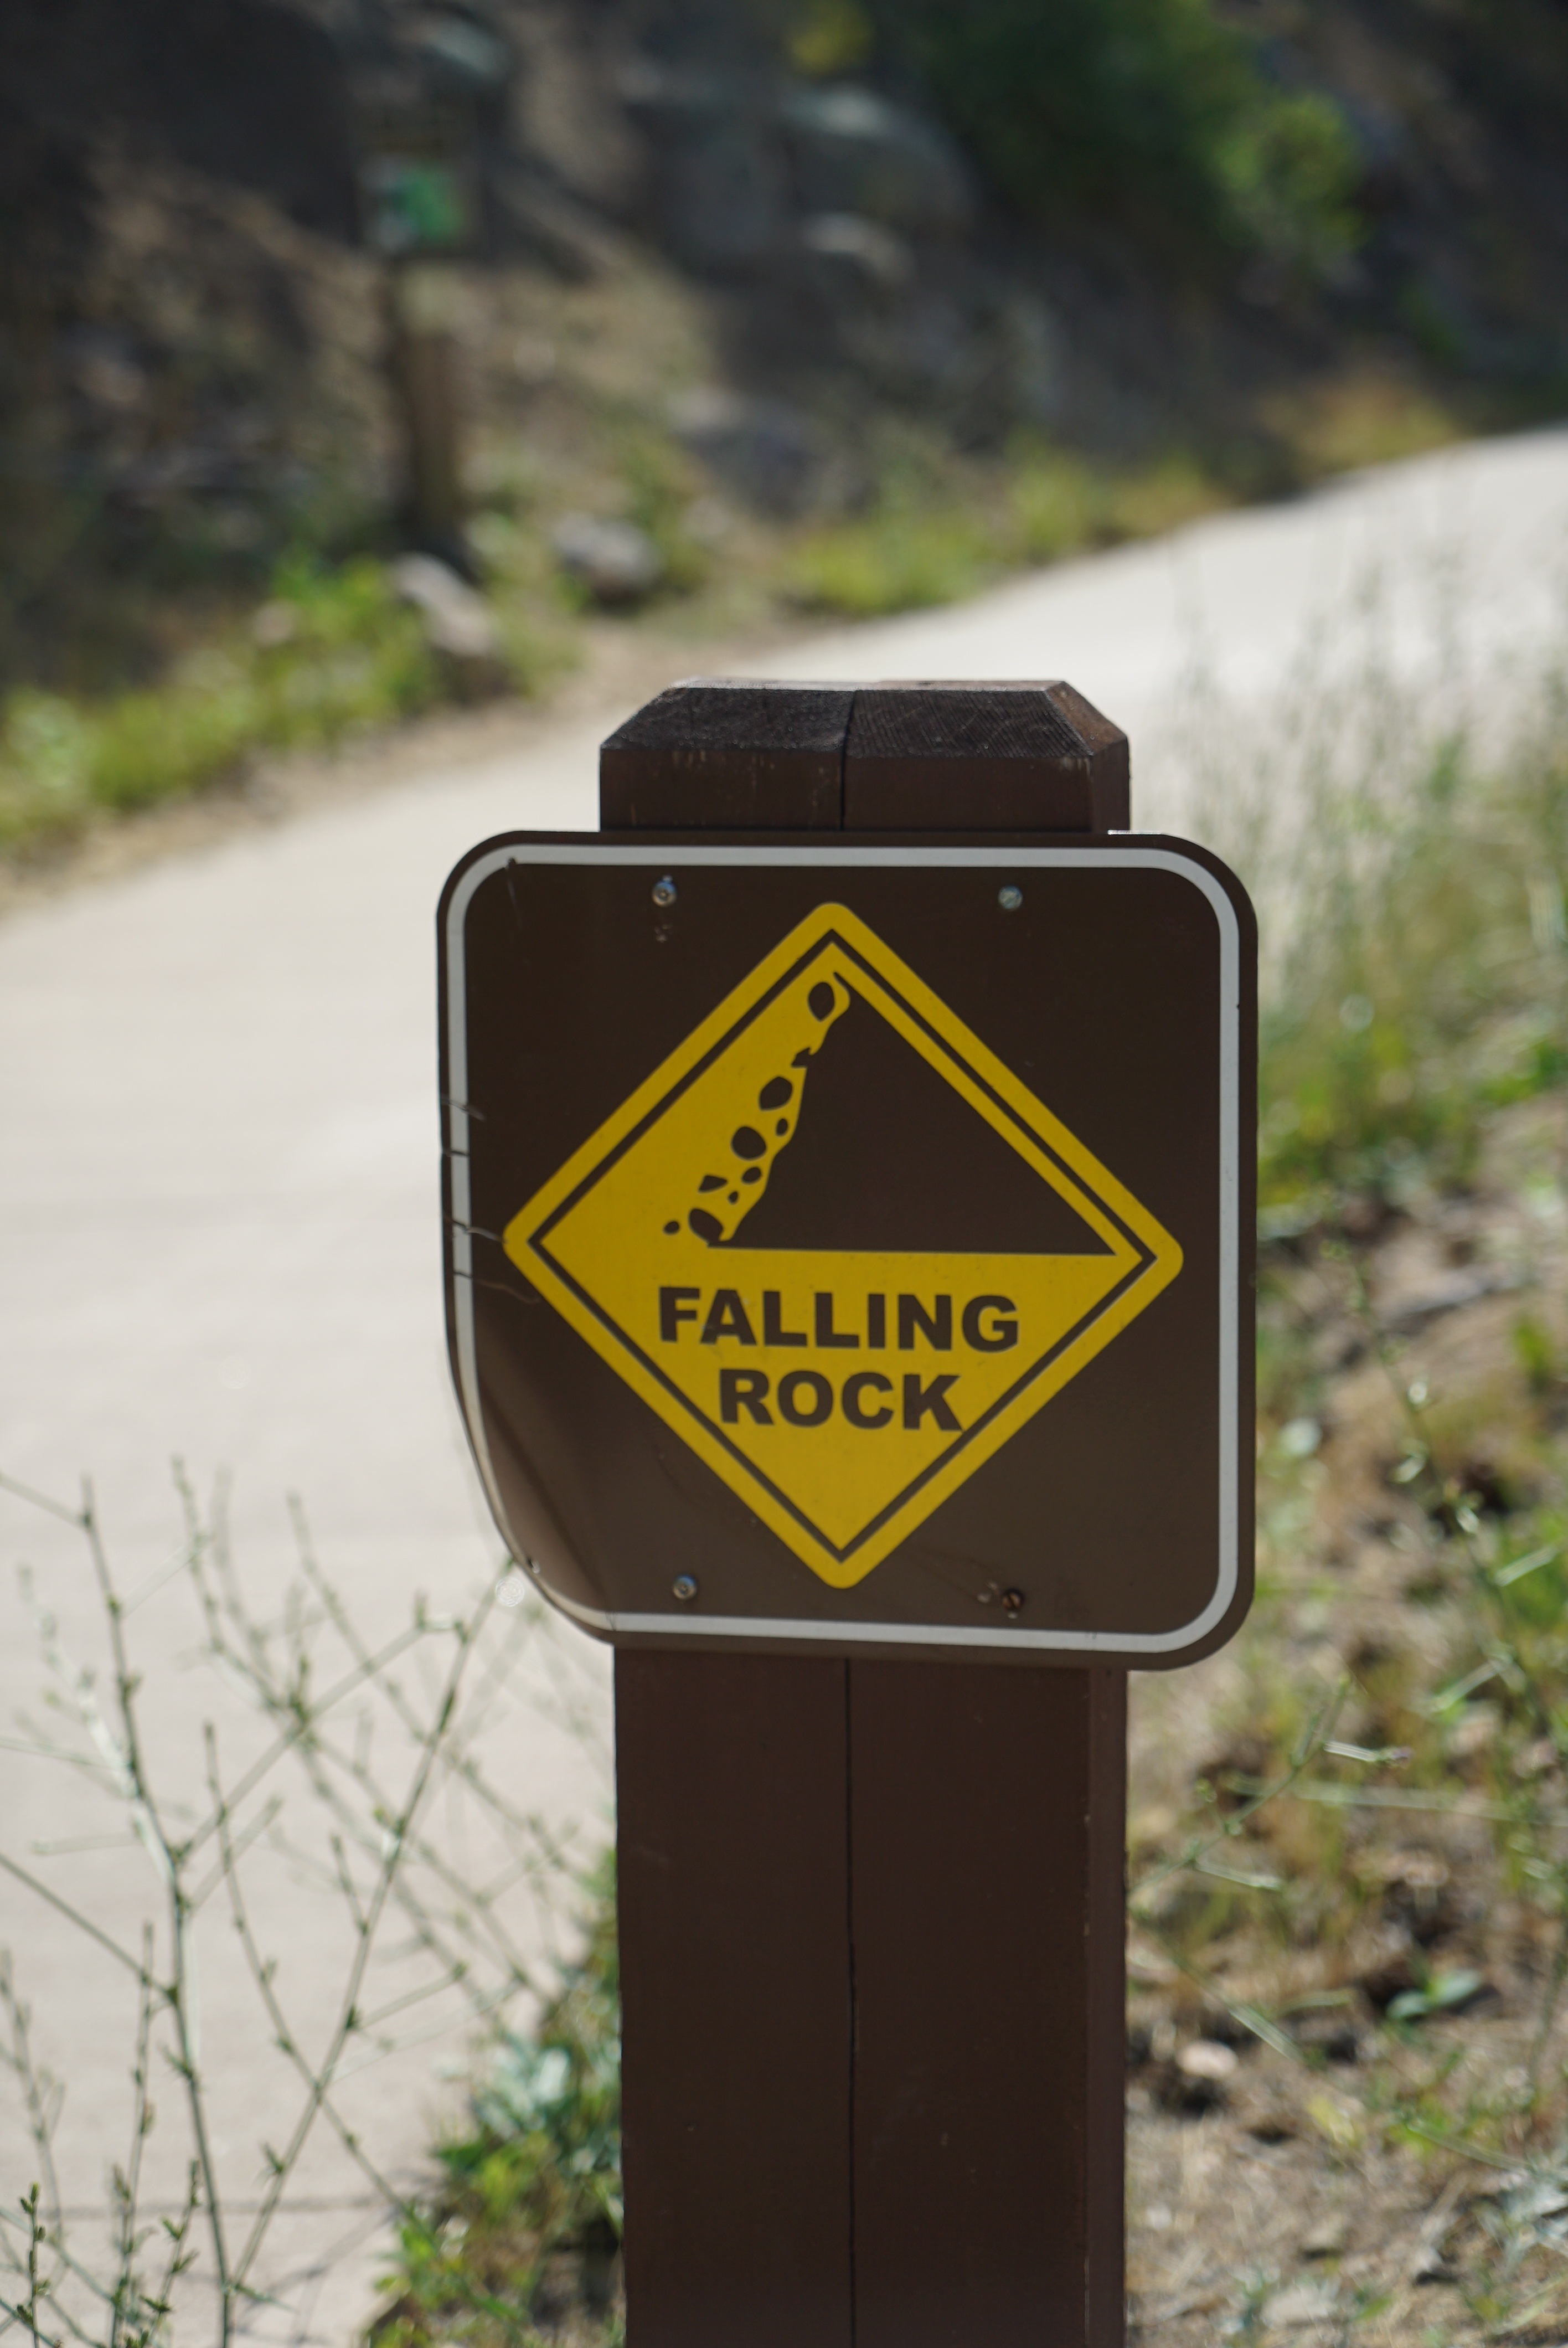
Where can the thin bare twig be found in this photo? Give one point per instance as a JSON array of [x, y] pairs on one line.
[[382, 1862], [318, 2081], [179, 1992], [1312, 1741]]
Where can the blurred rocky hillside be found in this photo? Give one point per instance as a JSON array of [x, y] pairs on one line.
[[729, 248]]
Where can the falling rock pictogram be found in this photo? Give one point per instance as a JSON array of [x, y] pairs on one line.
[[752, 1241]]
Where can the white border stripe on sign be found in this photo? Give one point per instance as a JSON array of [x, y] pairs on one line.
[[1008, 859]]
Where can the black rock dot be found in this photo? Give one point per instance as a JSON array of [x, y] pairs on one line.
[[753, 1174], [706, 1226], [672, 1227], [712, 1182], [774, 1093], [747, 1142], [821, 1000], [801, 1058], [735, 1197], [783, 1126]]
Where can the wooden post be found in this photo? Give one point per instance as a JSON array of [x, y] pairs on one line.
[[871, 1911], [422, 354]]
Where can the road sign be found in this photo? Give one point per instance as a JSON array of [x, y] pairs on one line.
[[420, 196], [774, 1362], [849, 1239]]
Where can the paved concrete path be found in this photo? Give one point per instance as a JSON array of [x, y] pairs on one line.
[[219, 1237], [1442, 574]]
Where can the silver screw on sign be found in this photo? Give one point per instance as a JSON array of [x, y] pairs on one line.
[[685, 1588], [1009, 899], [664, 894]]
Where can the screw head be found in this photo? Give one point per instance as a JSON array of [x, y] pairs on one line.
[[1012, 1601], [1009, 899], [664, 894], [685, 1588]]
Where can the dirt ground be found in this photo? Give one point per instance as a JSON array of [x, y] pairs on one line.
[[1320, 2191]]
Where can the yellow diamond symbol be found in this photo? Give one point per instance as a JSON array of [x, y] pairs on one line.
[[843, 1390]]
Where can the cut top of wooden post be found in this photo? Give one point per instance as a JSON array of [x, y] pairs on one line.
[[983, 757], [744, 754], [732, 754]]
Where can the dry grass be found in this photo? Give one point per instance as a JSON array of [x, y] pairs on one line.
[[1394, 2163]]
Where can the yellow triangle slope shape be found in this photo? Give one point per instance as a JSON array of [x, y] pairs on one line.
[[843, 1394]]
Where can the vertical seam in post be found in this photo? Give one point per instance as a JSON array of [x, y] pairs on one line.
[[1091, 1742], [1105, 1917], [848, 1669], [849, 1947]]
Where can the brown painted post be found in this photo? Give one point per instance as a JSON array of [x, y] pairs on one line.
[[986, 1862], [733, 1850], [872, 1926]]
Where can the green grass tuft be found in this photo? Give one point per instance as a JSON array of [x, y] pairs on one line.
[[527, 2216], [931, 539], [333, 653], [899, 559], [1160, 113], [1427, 983]]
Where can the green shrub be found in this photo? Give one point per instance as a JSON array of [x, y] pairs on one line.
[[1154, 112], [1161, 497], [350, 653], [899, 559], [1424, 985], [1286, 170], [830, 36], [659, 492], [163, 745], [334, 651], [1059, 505], [46, 750], [925, 543]]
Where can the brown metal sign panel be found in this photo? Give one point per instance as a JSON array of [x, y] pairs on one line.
[[850, 1238]]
